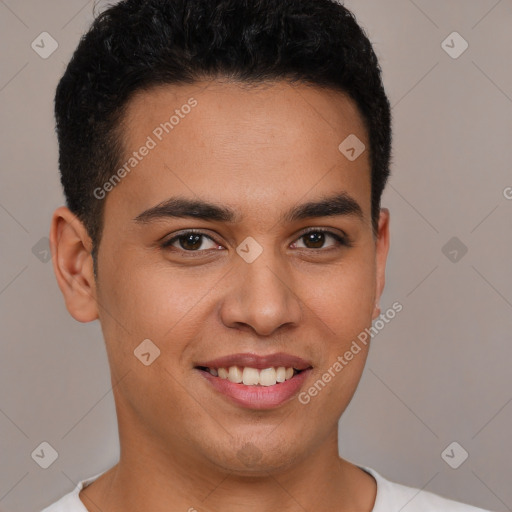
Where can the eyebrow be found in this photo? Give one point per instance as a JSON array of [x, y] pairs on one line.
[[182, 207]]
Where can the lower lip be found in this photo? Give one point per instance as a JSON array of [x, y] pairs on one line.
[[258, 397]]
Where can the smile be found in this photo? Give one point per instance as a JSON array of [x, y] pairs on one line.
[[253, 376]]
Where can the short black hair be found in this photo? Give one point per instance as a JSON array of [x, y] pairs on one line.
[[135, 45]]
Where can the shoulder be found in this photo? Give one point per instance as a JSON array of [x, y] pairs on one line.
[[68, 503], [71, 502], [394, 496]]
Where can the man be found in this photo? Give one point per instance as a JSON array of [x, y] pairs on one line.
[[223, 163]]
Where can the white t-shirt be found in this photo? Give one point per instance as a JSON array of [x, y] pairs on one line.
[[391, 497]]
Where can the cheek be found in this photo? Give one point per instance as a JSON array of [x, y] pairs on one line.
[[343, 296], [345, 306], [142, 299], [153, 301]]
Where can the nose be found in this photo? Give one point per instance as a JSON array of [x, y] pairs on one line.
[[261, 297]]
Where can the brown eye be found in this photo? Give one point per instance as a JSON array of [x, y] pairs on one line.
[[190, 241], [316, 238]]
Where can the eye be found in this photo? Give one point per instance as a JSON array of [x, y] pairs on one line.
[[193, 241], [315, 238], [189, 241]]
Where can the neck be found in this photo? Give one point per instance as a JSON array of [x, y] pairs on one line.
[[149, 477]]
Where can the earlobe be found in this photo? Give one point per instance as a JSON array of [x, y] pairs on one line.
[[73, 265], [382, 248]]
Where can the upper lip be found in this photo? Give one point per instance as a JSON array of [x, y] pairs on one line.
[[259, 362]]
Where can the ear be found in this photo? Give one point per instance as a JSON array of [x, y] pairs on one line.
[[71, 249], [381, 254]]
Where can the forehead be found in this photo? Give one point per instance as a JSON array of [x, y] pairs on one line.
[[245, 146], [256, 113]]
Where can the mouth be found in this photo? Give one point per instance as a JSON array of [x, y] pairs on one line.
[[253, 376], [256, 382]]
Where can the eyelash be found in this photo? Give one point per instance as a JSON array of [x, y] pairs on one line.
[[342, 240]]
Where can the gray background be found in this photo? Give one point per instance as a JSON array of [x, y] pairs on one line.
[[438, 373]]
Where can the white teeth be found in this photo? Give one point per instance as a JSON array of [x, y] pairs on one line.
[[235, 374], [268, 377], [281, 374], [253, 376]]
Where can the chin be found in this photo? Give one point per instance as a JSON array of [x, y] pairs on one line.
[[255, 458]]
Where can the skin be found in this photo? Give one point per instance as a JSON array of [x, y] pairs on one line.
[[260, 151]]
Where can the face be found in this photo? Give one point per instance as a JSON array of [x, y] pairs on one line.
[[274, 266]]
